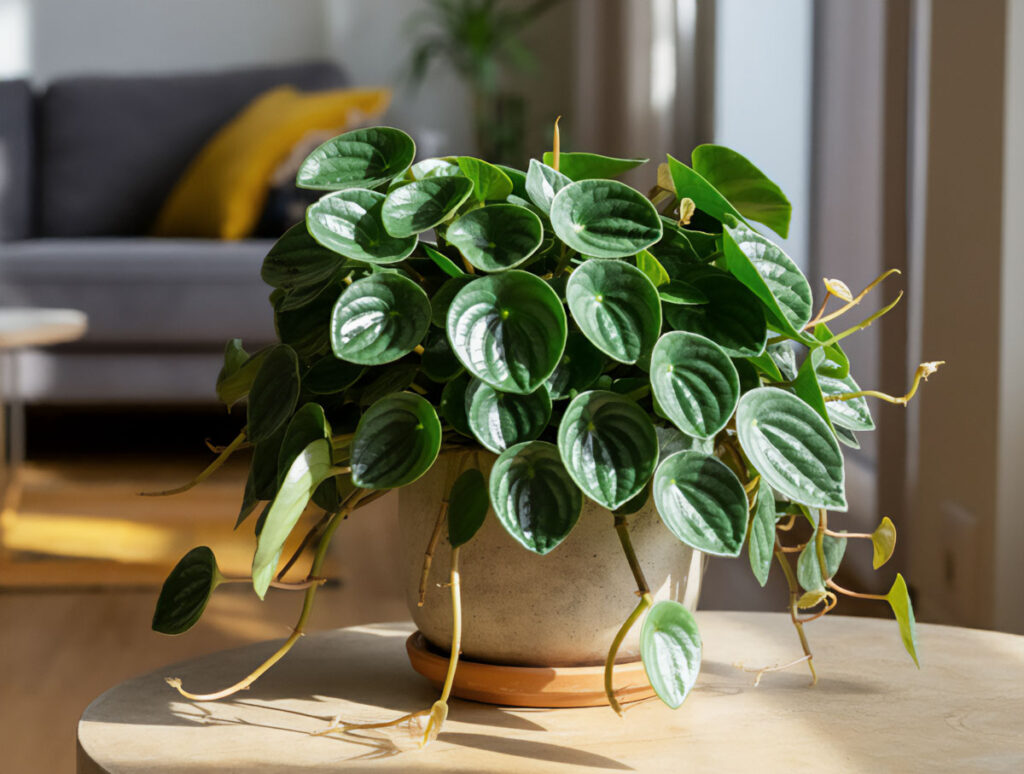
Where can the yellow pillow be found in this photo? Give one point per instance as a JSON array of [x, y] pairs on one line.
[[222, 192]]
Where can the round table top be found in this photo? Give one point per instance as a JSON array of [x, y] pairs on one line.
[[32, 327], [871, 711]]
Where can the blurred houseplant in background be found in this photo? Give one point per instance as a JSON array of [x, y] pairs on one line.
[[477, 39]]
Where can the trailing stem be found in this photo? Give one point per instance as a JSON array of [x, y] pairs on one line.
[[428, 557], [923, 372], [794, 595], [212, 468]]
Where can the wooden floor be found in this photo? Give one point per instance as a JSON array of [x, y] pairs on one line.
[[71, 628]]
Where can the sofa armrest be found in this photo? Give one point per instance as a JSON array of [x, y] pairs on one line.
[[17, 156]]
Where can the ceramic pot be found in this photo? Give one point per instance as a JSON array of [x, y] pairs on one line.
[[561, 609]]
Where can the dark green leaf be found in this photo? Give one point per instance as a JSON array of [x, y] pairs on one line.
[[587, 166], [746, 187], [682, 293], [467, 507], [274, 393], [379, 319], [329, 376], [489, 182], [308, 424], [417, 207], [670, 648], [542, 183], [676, 249], [236, 376], [500, 420], [761, 544], [807, 388], [443, 298], [518, 178], [604, 219], [349, 223], [444, 263], [306, 329], [578, 369], [393, 378], [808, 568], [749, 378], [439, 362], [453, 404], [690, 184], [296, 260], [364, 158], [186, 591], [496, 237], [396, 442], [733, 318]]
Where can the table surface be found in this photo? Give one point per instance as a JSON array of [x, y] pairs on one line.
[[31, 327], [871, 711]]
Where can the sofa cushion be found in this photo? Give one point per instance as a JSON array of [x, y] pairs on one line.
[[111, 148], [171, 294], [16, 154]]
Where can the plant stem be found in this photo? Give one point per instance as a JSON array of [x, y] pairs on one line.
[[863, 323], [622, 529], [794, 595], [819, 544], [923, 372], [609, 665], [453, 659], [850, 304], [821, 311], [310, 536], [858, 594], [428, 557], [230, 449], [833, 533], [276, 584]]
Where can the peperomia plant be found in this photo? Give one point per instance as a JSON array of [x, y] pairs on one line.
[[603, 343]]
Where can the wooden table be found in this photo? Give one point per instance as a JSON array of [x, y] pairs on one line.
[[871, 711]]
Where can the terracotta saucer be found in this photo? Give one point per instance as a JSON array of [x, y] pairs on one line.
[[514, 686]]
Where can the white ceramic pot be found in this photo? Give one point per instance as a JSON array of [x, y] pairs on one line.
[[561, 609]]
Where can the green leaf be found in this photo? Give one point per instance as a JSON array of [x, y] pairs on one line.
[[653, 270], [379, 319], [296, 260], [578, 369], [676, 249], [807, 388], [236, 376], [854, 414], [274, 393], [671, 441], [496, 237], [608, 446], [308, 424], [453, 404], [396, 442], [306, 329], [695, 382], [808, 568], [587, 166], [761, 544], [349, 223], [467, 507], [765, 364], [417, 207], [329, 376], [500, 419], [691, 185], [443, 262], [186, 591], [489, 182], [744, 185], [261, 483], [883, 542], [702, 502], [670, 648], [682, 293], [364, 158], [749, 378], [393, 378], [533, 496], [509, 330], [542, 183], [439, 363], [426, 168], [784, 357], [733, 317], [616, 307], [604, 219], [899, 600], [311, 466], [836, 364], [442, 299], [791, 447], [518, 178], [636, 502], [771, 275], [846, 437]]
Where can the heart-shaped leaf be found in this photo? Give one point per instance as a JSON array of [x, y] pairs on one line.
[[771, 275], [761, 543], [379, 319], [489, 182], [309, 469], [467, 507], [589, 166], [899, 600], [397, 440], [533, 496], [733, 317], [578, 369], [296, 260], [329, 376], [883, 542], [808, 568], [670, 648], [604, 219], [542, 183], [695, 383], [364, 158], [274, 393], [509, 330], [496, 237], [501, 419], [702, 502], [417, 207], [349, 223], [443, 167], [616, 307], [791, 447], [746, 187], [608, 445], [682, 293], [186, 591]]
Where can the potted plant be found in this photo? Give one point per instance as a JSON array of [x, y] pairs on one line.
[[597, 368]]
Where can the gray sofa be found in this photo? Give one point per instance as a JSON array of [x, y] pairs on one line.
[[84, 167]]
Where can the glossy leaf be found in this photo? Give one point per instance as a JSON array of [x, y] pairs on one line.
[[329, 376], [364, 158], [417, 207], [682, 293], [587, 166], [307, 471], [296, 260], [307, 425], [442, 299], [379, 319], [533, 496], [543, 183], [784, 357], [670, 648], [238, 372], [444, 263], [509, 330], [676, 249], [439, 167], [500, 419], [883, 542], [438, 362], [691, 184], [467, 507], [671, 441], [604, 219], [899, 600], [608, 446], [496, 237], [835, 364], [453, 404], [349, 223], [395, 377], [808, 568], [518, 179], [791, 447], [732, 318], [652, 269], [489, 182], [578, 369], [852, 414], [695, 382], [806, 386], [745, 186], [274, 393], [761, 543], [186, 591], [702, 502], [616, 307], [307, 329], [846, 437], [397, 440]]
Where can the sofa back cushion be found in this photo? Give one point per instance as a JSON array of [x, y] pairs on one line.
[[16, 155], [111, 148]]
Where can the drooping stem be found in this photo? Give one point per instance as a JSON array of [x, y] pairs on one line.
[[453, 659], [212, 468], [794, 595], [858, 594], [622, 529], [304, 544], [276, 584], [863, 323], [819, 544], [428, 557], [923, 372], [851, 303]]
